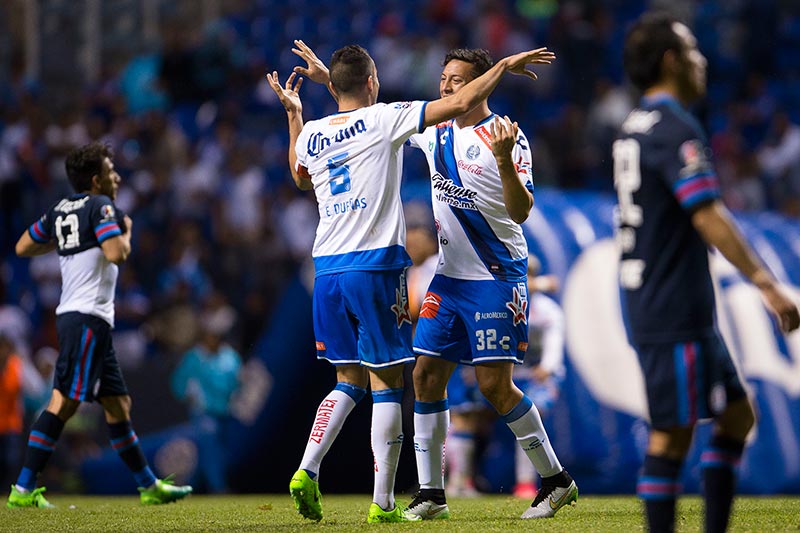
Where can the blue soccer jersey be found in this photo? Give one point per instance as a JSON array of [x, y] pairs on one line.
[[80, 224], [662, 173]]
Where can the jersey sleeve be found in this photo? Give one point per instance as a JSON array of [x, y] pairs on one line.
[[399, 120], [41, 231], [521, 154], [104, 218], [690, 172], [300, 149]]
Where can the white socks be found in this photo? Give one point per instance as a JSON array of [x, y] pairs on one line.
[[525, 422], [431, 420]]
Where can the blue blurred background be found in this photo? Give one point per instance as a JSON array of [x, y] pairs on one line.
[[176, 88]]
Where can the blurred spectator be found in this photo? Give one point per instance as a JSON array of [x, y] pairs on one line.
[[779, 158], [206, 379], [10, 411]]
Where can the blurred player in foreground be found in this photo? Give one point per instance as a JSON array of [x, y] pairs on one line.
[[669, 213], [353, 162], [91, 237]]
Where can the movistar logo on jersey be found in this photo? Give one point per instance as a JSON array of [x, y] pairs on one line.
[[319, 141], [452, 194]]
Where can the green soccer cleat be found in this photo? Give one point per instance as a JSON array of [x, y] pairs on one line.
[[379, 516], [163, 491], [34, 498], [306, 495]]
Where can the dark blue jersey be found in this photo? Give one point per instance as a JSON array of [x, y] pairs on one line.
[[662, 173], [80, 224]]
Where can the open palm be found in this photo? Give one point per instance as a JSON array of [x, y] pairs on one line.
[[289, 93]]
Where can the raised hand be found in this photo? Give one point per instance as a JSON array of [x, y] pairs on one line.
[[517, 63], [289, 94], [316, 70], [503, 136]]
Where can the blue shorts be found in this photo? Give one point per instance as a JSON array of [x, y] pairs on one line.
[[87, 367], [363, 318], [473, 322], [688, 381]]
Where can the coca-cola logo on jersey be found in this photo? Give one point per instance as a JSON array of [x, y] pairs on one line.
[[472, 168]]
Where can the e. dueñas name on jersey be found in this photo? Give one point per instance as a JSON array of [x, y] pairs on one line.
[[354, 159], [478, 240], [80, 224]]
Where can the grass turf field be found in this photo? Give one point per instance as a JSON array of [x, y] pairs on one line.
[[271, 512]]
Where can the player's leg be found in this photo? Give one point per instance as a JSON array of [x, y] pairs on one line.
[[672, 397], [42, 441], [379, 304], [722, 454], [350, 388], [75, 375], [387, 441], [543, 395], [522, 417], [335, 329]]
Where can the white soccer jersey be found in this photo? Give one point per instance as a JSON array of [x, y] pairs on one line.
[[355, 162], [88, 283], [478, 240]]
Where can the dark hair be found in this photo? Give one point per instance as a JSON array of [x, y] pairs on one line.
[[645, 45], [350, 67], [84, 163], [479, 58]]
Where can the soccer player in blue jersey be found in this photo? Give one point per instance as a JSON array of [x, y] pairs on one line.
[[475, 311], [669, 214], [353, 162], [91, 237]]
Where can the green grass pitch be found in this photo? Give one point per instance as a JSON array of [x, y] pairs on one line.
[[272, 512]]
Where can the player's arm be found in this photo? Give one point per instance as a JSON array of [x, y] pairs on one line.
[[289, 96], [517, 198], [481, 87], [715, 225], [27, 247], [117, 249], [315, 70]]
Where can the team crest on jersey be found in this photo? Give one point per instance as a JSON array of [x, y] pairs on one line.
[[693, 156], [400, 307], [430, 305], [106, 213], [522, 166], [519, 305], [473, 151]]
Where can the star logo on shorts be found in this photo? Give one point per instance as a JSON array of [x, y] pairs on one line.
[[518, 307], [400, 309]]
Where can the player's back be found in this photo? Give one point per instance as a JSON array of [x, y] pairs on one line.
[[662, 173], [355, 162], [80, 224]]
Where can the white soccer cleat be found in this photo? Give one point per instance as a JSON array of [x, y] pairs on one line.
[[423, 507], [550, 499]]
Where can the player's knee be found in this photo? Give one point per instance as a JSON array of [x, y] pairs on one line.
[[117, 408]]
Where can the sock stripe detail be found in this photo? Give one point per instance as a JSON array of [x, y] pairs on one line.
[[125, 442], [524, 405], [714, 457], [658, 488], [427, 408], [387, 395], [355, 392], [37, 439]]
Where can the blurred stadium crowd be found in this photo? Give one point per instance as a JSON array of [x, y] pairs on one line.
[[200, 140]]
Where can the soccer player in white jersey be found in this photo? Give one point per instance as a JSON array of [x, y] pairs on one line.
[[91, 237], [476, 308], [353, 162]]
